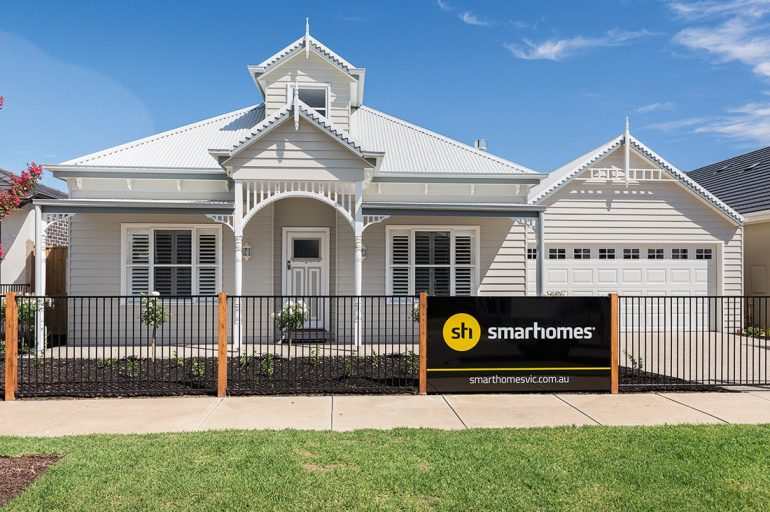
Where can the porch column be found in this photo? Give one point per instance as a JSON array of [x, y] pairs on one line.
[[39, 278], [358, 231], [540, 254], [238, 231]]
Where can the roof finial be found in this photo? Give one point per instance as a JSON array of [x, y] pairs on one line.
[[628, 130], [627, 152], [307, 37]]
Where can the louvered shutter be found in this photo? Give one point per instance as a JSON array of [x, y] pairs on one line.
[[207, 262], [172, 271], [400, 263], [138, 262], [463, 264]]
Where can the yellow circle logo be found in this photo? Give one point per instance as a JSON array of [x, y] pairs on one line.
[[461, 332]]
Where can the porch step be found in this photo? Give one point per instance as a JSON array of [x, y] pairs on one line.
[[309, 336]]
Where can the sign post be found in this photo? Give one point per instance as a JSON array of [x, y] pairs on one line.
[[510, 344]]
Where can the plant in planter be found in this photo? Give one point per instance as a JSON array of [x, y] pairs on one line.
[[414, 314], [153, 314], [291, 317]]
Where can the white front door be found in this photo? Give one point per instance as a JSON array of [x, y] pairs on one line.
[[306, 269]]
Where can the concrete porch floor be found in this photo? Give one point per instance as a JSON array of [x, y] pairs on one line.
[[341, 413]]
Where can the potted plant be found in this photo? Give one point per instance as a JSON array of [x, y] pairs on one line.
[[291, 317], [153, 314]]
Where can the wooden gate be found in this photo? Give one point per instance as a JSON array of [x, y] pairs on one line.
[[55, 285]]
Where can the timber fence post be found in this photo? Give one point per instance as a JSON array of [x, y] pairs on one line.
[[11, 346], [423, 383], [222, 346], [614, 341]]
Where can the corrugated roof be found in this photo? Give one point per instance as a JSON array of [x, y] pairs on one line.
[[300, 44], [743, 181], [40, 190], [184, 148], [411, 149], [561, 176]]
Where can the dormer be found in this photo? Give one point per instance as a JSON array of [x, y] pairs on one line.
[[326, 82]]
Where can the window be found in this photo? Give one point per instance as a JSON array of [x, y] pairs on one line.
[[654, 254], [172, 261], [630, 254], [702, 254], [606, 254], [557, 254], [439, 261], [581, 254], [314, 96], [532, 253], [679, 254]]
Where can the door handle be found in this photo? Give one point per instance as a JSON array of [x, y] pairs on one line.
[[288, 264]]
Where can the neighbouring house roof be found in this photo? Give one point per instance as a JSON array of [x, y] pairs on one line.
[[39, 192], [409, 149], [564, 174], [743, 181]]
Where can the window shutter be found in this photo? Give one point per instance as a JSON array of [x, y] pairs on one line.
[[207, 262], [400, 264], [139, 260], [463, 264]]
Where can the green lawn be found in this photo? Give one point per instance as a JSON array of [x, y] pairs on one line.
[[587, 468]]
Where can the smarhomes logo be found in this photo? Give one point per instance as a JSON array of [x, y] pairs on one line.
[[462, 332]]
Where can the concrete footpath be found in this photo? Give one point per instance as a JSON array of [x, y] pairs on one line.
[[185, 414]]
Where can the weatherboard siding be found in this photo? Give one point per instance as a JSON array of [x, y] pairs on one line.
[[313, 70]]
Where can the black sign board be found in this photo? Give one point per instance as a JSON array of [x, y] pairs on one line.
[[489, 344]]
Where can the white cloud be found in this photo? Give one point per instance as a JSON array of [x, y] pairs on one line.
[[444, 6], [469, 18], [559, 49], [741, 35], [750, 122], [679, 124], [654, 107]]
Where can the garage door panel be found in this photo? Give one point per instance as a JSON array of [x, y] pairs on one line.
[[583, 276], [558, 276], [631, 277], [655, 275], [679, 275], [607, 275]]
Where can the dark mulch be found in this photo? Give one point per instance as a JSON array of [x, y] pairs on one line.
[[18, 473], [246, 375], [639, 381]]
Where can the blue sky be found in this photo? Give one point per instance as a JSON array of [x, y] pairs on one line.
[[543, 82]]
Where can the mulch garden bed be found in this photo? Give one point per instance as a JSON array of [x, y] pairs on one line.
[[639, 381], [246, 375], [18, 473]]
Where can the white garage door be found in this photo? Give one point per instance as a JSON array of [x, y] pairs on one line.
[[633, 270]]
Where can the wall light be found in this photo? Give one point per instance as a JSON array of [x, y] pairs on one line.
[[246, 252], [363, 252]]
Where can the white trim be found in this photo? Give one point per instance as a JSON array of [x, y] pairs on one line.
[[126, 226], [754, 217], [453, 229], [310, 85], [325, 238]]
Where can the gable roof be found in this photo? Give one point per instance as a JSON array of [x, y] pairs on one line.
[[743, 181], [303, 110], [564, 174], [39, 192], [298, 45], [411, 149]]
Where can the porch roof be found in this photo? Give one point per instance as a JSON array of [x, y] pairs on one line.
[[164, 206], [453, 209]]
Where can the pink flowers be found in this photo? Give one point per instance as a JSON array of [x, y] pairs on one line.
[[21, 187], [2, 102]]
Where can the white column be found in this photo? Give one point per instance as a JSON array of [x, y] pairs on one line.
[[540, 254], [358, 230], [238, 230], [39, 278]]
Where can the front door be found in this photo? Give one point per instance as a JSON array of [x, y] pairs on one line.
[[306, 269]]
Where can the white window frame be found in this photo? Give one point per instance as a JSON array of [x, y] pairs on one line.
[[324, 86], [151, 228], [453, 230]]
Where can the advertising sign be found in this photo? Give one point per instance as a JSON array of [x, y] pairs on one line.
[[490, 344]]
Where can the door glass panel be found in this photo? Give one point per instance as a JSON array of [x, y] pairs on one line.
[[306, 248]]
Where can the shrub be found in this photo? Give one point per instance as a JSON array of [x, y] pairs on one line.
[[153, 314], [267, 365], [291, 317], [754, 330]]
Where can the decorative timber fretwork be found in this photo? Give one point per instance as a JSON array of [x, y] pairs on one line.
[[374, 219], [227, 220], [617, 174]]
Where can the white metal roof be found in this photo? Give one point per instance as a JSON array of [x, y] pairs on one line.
[[411, 149], [181, 148], [564, 174], [299, 44]]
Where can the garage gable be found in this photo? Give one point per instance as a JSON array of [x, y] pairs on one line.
[[607, 163]]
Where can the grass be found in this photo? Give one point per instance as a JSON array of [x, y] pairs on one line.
[[719, 467]]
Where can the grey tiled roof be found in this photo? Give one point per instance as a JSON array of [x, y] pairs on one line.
[[743, 182], [40, 191]]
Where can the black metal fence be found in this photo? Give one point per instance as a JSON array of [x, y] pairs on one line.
[[694, 342], [117, 346], [124, 346], [321, 344]]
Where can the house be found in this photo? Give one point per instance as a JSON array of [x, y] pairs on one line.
[[743, 182], [312, 192], [17, 236]]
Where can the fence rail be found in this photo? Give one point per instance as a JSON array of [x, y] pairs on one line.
[[16, 288], [692, 341], [123, 345]]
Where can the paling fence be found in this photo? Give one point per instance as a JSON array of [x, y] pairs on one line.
[[124, 345], [694, 341], [18, 288]]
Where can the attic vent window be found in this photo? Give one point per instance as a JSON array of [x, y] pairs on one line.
[[752, 166], [315, 98], [724, 168]]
